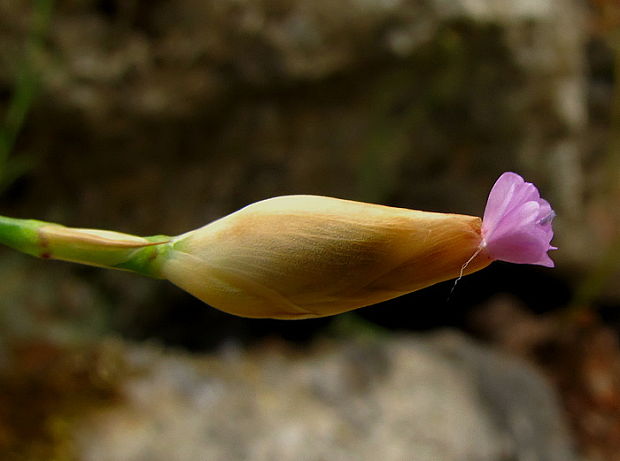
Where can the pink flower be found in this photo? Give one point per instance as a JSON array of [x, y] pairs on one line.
[[517, 223]]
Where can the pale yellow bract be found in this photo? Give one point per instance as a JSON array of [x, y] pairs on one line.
[[303, 256]]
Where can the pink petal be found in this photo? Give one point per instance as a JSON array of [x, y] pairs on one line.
[[517, 223]]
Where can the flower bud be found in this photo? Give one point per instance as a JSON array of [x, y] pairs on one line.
[[310, 256]]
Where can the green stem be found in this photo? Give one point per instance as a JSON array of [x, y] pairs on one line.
[[21, 235], [94, 247]]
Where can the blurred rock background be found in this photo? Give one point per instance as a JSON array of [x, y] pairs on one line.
[[157, 117]]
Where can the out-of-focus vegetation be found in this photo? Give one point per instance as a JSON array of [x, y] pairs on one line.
[[25, 89], [605, 27]]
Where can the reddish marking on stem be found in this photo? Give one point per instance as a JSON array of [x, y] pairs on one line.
[[44, 243]]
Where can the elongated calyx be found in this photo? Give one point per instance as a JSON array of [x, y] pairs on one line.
[[311, 256]]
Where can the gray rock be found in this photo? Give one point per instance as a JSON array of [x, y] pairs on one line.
[[437, 397]]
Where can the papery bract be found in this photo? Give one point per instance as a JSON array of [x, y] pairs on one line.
[[310, 256], [517, 223]]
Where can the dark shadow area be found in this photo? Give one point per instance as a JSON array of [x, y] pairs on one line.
[[195, 326]]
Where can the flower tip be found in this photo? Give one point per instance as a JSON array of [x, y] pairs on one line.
[[517, 223]]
